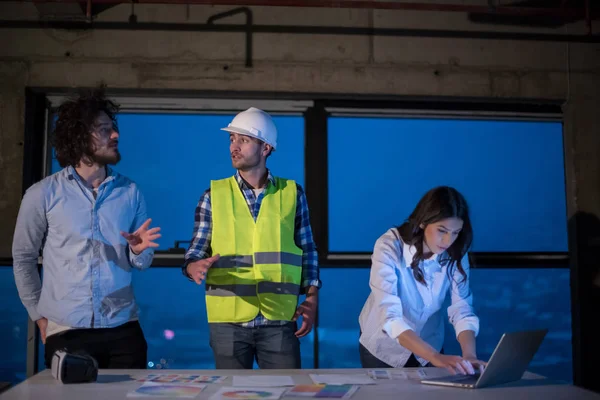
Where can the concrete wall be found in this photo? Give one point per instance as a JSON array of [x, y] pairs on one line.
[[293, 62], [307, 63]]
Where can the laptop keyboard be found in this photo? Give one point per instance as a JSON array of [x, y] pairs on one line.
[[461, 378]]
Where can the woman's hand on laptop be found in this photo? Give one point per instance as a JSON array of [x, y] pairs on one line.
[[454, 364], [477, 364], [459, 365]]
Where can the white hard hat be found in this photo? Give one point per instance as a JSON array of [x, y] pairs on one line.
[[256, 123]]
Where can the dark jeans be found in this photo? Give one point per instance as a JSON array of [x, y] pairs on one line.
[[122, 347], [368, 360], [273, 347]]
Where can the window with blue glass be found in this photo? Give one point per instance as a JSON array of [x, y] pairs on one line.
[[504, 299], [511, 172], [13, 330], [512, 175], [173, 157]]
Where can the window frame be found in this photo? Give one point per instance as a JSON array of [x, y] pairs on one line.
[[316, 108]]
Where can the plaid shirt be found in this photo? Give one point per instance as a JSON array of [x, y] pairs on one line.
[[200, 246]]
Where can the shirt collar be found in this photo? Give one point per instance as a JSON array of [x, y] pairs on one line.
[[72, 174], [245, 185], [408, 252]]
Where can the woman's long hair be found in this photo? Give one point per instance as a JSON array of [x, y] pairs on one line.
[[438, 204]]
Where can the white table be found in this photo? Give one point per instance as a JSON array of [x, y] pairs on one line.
[[114, 385]]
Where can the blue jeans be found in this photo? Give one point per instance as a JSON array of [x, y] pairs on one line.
[[273, 347]]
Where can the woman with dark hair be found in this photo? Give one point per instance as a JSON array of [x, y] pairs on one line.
[[414, 266]]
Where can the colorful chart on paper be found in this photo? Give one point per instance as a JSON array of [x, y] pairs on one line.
[[182, 378], [323, 391], [247, 393], [171, 390]]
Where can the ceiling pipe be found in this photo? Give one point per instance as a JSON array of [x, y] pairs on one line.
[[249, 21], [302, 30], [88, 11], [363, 4]]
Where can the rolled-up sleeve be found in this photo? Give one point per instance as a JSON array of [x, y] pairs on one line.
[[461, 312], [384, 287], [144, 259], [29, 235]]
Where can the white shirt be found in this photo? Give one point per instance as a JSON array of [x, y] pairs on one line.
[[398, 302]]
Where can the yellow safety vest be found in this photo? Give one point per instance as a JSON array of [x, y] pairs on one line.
[[260, 266]]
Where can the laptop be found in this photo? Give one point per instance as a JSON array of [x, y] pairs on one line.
[[508, 362]]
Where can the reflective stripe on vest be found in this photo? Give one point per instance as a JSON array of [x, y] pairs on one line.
[[260, 266], [261, 258], [252, 290]]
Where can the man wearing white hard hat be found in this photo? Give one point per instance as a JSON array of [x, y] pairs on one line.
[[253, 246]]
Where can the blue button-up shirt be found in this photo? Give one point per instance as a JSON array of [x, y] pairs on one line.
[[87, 264]]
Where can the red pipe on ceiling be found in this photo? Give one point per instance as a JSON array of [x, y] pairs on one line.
[[369, 4]]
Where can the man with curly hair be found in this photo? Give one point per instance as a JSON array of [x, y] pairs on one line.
[[91, 225]]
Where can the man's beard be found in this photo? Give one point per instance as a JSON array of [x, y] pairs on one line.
[[245, 163], [107, 159]]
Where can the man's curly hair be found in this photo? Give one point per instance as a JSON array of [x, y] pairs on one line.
[[75, 123]]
